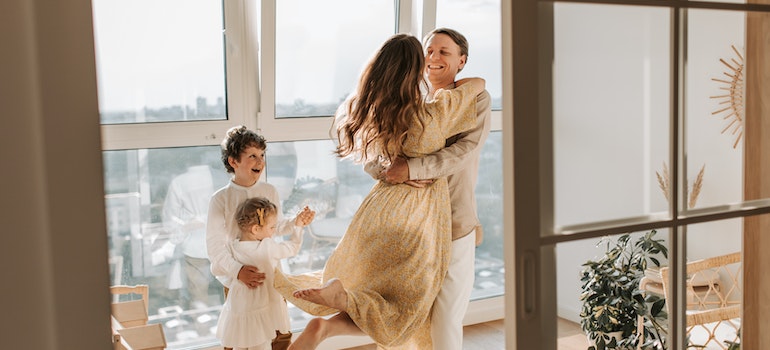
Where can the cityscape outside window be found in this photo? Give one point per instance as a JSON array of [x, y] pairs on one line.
[[149, 247]]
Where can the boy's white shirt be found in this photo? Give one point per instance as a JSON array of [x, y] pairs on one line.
[[221, 228]]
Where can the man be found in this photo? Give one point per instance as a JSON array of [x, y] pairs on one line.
[[446, 52]]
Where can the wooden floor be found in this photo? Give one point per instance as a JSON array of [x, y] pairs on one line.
[[491, 336], [571, 336]]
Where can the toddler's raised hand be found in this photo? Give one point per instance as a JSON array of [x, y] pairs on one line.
[[304, 217]]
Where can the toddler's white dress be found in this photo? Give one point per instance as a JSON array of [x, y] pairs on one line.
[[250, 317]]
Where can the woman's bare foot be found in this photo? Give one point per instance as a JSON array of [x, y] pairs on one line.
[[319, 329], [332, 294], [315, 332]]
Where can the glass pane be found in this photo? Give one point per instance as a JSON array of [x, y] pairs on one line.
[[320, 52], [308, 173], [586, 270], [611, 103], [714, 107], [479, 22], [596, 280], [714, 285], [159, 61], [157, 203], [725, 108], [490, 267]]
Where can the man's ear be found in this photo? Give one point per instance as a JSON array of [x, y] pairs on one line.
[[463, 59], [232, 161]]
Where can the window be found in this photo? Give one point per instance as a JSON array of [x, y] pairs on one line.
[[630, 89], [156, 203], [479, 22], [178, 81], [157, 63], [317, 60]]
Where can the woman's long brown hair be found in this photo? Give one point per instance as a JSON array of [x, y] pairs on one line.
[[374, 121]]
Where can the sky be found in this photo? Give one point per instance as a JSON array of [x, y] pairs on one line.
[[159, 53]]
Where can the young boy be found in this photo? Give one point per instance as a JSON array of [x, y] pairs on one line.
[[243, 155]]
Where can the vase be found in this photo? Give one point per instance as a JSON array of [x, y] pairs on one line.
[[618, 335]]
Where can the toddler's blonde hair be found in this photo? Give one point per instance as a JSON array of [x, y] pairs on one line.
[[254, 211]]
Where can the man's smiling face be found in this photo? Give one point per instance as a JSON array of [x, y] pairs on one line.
[[442, 60]]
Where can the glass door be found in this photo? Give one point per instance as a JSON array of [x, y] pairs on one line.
[[643, 119]]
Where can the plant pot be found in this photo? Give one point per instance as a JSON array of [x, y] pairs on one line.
[[618, 335]]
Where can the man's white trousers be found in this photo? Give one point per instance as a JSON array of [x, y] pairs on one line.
[[453, 299]]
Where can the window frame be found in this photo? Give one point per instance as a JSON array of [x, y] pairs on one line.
[[250, 98], [240, 63]]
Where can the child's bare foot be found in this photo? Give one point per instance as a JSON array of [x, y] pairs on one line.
[[332, 294], [315, 332]]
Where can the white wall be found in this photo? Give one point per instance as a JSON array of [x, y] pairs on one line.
[[611, 110], [53, 246]]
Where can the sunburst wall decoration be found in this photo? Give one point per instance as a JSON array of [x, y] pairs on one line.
[[733, 98]]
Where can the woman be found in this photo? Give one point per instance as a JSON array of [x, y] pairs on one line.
[[386, 271]]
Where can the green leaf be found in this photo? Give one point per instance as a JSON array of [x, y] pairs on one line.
[[658, 306]]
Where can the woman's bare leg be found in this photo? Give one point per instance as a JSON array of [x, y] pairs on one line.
[[319, 329], [332, 294]]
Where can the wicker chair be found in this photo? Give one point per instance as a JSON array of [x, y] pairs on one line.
[[714, 297]]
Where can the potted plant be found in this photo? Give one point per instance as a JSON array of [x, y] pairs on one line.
[[613, 305]]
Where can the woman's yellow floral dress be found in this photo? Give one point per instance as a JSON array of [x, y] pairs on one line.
[[394, 255]]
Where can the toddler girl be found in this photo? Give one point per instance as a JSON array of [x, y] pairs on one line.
[[251, 316]]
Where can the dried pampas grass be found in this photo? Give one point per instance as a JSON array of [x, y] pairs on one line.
[[694, 190], [663, 181]]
